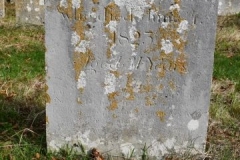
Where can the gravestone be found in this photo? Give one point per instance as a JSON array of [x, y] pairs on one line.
[[30, 11], [124, 73], [228, 7], [2, 9]]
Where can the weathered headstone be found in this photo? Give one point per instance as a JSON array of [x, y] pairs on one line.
[[228, 7], [2, 8], [30, 11], [122, 73]]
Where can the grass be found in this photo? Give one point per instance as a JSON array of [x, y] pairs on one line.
[[224, 124], [22, 98], [227, 53], [22, 104]]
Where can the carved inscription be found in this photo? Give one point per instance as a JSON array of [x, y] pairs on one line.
[[139, 51], [155, 51]]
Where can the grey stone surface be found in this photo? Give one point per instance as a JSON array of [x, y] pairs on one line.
[[30, 11], [2, 9], [122, 73], [228, 7]]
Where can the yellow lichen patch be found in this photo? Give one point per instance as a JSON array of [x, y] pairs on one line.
[[80, 29], [172, 85], [67, 11], [129, 87], [79, 26], [112, 13], [94, 9], [111, 41], [95, 1], [161, 70], [136, 110], [176, 15], [179, 45], [81, 60], [161, 115], [116, 73], [130, 17], [181, 64], [154, 7], [150, 100], [79, 101], [146, 88], [79, 13], [113, 101], [81, 90], [160, 87], [171, 61], [168, 61], [109, 53]]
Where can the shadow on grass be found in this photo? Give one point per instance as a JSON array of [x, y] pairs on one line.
[[22, 125]]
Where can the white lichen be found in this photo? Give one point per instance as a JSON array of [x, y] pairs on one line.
[[175, 6], [193, 125], [63, 3], [84, 138], [167, 46], [54, 146], [132, 33], [112, 26], [41, 2], [126, 149], [152, 14], [136, 84], [68, 139], [164, 25], [82, 82], [93, 15], [75, 39], [132, 65], [132, 116], [158, 148], [82, 46], [110, 83], [135, 7], [29, 9], [76, 3], [37, 9], [183, 26]]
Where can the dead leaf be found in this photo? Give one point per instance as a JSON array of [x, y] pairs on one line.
[[96, 155], [37, 155]]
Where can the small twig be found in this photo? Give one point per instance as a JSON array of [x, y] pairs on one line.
[[26, 129], [14, 145], [23, 131], [36, 117]]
